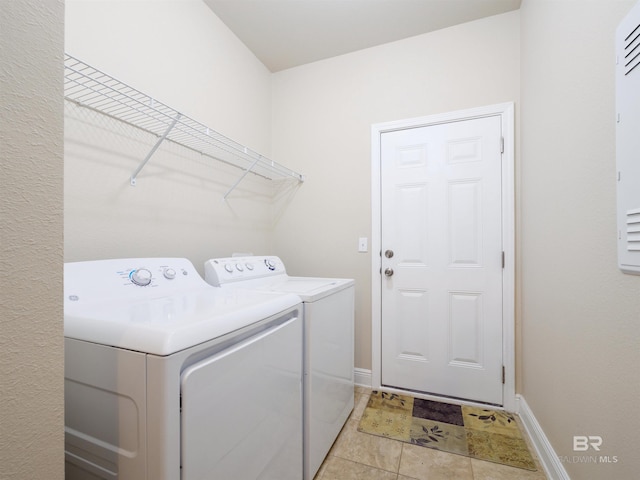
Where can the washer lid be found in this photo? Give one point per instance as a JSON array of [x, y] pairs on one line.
[[268, 274], [309, 289]]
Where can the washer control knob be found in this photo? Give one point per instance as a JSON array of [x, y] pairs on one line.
[[229, 268], [239, 267], [249, 266], [271, 265], [141, 276], [169, 273]]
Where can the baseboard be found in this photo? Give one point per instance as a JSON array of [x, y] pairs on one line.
[[362, 377], [548, 457]]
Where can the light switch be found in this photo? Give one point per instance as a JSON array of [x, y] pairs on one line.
[[363, 244]]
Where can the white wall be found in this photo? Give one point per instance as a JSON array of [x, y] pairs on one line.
[[180, 53], [31, 347], [322, 120], [580, 314]]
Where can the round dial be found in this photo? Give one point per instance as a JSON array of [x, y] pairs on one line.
[[271, 265], [169, 273], [249, 266], [228, 267], [141, 276], [239, 267]]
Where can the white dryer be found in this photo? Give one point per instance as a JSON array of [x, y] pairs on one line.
[[168, 378], [328, 342]]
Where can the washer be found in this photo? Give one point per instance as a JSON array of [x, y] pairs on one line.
[[328, 342], [167, 377]]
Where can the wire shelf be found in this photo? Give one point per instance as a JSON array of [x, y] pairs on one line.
[[90, 88]]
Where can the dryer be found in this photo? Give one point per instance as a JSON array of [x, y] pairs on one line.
[[167, 377], [328, 305]]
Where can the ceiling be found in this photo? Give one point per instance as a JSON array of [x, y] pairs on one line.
[[289, 33]]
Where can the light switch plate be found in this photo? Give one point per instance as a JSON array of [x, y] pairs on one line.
[[363, 244]]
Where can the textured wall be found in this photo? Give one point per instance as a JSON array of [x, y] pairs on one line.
[[580, 314], [31, 133]]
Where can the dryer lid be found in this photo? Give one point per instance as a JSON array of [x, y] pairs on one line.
[[102, 305]]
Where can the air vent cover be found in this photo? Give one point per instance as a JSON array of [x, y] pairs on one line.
[[632, 50], [628, 140]]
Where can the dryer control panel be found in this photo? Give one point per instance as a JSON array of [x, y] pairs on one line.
[[130, 278], [221, 271]]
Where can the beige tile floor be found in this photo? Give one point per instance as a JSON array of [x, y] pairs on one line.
[[360, 456]]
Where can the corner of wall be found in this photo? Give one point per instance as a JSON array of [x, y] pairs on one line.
[[544, 450]]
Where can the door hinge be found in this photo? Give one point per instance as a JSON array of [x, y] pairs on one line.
[[503, 374], [501, 144], [502, 259]]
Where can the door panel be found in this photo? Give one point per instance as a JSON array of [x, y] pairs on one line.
[[465, 327], [442, 217], [411, 231], [412, 335], [464, 223]]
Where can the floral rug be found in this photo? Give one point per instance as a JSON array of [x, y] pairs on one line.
[[490, 435]]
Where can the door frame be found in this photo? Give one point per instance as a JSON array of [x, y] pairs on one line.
[[506, 112]]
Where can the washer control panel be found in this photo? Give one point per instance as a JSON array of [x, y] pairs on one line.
[[220, 271]]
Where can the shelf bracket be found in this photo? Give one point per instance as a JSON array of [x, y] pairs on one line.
[[153, 150], [233, 187]]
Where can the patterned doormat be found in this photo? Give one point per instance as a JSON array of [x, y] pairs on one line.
[[490, 435]]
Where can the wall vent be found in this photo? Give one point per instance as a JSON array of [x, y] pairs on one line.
[[633, 230], [628, 141], [632, 50]]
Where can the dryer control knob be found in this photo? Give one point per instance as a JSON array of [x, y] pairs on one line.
[[141, 277], [239, 267], [229, 268], [169, 273], [271, 265]]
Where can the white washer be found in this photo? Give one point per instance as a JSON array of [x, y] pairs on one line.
[[328, 347], [168, 378]]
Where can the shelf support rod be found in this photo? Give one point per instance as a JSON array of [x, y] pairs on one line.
[[233, 187], [153, 150]]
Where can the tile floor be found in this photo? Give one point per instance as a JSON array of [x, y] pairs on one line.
[[360, 456]]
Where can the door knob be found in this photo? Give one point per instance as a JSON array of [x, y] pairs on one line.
[[388, 253], [388, 272]]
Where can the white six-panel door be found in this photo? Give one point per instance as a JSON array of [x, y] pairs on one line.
[[442, 261]]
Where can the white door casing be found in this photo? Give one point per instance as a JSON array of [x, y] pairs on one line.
[[439, 195]]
